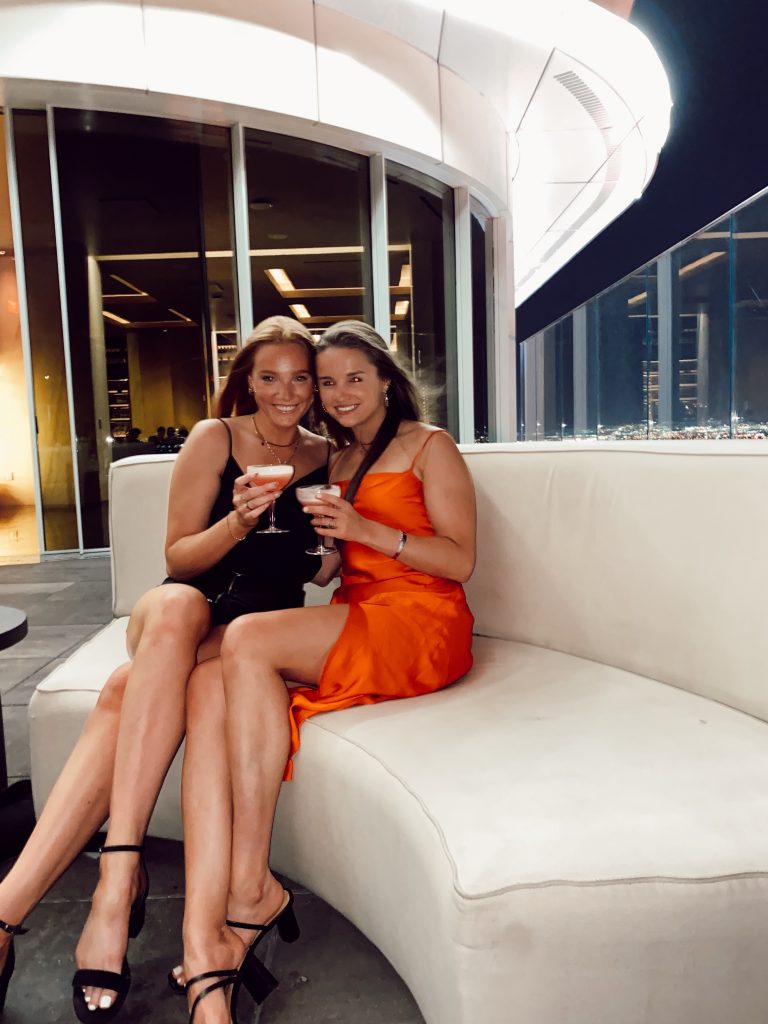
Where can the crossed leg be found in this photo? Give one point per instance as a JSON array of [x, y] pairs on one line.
[[238, 740]]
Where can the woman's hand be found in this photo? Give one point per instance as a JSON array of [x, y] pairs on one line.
[[249, 501], [337, 518]]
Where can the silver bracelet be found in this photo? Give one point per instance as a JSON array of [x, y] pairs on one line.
[[231, 534], [400, 544]]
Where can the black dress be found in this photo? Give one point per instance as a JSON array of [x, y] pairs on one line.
[[266, 571]]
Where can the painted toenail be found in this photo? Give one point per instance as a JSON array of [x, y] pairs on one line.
[[105, 1002]]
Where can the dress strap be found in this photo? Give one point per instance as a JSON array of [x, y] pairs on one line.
[[229, 433], [432, 433]]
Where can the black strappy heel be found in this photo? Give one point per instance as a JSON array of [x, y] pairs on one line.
[[119, 983], [10, 960], [251, 974], [285, 922]]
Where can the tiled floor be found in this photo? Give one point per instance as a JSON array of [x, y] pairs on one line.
[[332, 975]]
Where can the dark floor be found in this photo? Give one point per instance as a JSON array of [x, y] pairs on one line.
[[332, 975]]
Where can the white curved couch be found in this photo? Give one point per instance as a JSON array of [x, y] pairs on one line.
[[578, 831]]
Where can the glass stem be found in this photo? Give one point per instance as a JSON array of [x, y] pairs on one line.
[[272, 515]]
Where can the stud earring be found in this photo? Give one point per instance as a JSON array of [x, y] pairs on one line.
[[386, 398]]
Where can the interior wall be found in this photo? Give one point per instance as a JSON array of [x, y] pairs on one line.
[[167, 381]]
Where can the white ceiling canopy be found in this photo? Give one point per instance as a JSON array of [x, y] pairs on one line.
[[552, 109], [582, 92]]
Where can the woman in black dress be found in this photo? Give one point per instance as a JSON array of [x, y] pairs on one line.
[[219, 567]]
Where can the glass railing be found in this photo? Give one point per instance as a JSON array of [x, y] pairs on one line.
[[676, 350]]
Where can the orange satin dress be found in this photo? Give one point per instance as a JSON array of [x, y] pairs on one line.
[[407, 632]]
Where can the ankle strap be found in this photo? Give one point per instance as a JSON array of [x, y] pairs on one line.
[[121, 849], [12, 929]]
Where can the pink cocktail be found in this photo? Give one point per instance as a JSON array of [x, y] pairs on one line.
[[308, 495], [281, 475]]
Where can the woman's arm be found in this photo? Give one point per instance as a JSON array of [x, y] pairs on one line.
[[449, 496], [191, 546]]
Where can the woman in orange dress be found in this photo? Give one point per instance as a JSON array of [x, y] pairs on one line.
[[398, 626]]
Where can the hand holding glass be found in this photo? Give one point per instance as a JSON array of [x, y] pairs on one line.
[[307, 496], [280, 475]]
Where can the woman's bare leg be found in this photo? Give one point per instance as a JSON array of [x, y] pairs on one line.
[[77, 807], [207, 812], [258, 653], [168, 624]]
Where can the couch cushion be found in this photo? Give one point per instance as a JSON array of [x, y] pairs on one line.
[[541, 767], [650, 557], [92, 662]]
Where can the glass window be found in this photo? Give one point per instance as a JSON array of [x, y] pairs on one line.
[[699, 396], [423, 288], [54, 439], [148, 255], [18, 523], [482, 324], [309, 227], [750, 314], [622, 358]]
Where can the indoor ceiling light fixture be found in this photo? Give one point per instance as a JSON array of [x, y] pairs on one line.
[[181, 316], [299, 311], [280, 279], [405, 276], [114, 317], [321, 250], [134, 290], [637, 298], [709, 258], [401, 307]]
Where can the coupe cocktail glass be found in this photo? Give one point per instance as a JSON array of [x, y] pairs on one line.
[[308, 495], [281, 475]]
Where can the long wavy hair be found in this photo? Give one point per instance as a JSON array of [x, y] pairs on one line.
[[235, 399], [401, 394]]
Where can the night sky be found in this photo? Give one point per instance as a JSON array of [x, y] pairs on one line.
[[716, 56]]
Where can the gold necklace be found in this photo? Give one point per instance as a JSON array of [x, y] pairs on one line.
[[293, 445]]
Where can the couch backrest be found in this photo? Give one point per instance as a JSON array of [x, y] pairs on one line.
[[138, 509], [652, 557], [648, 557]]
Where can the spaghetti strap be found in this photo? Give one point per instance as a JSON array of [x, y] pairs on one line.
[[429, 437], [229, 434]]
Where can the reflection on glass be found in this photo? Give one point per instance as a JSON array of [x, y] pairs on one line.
[[147, 231], [750, 315], [699, 386], [482, 324], [422, 289], [622, 359], [309, 229], [54, 440], [18, 526]]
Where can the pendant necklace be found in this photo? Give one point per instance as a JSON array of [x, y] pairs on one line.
[[271, 448]]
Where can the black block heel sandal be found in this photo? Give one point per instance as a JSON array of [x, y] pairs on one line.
[[10, 960], [284, 920], [119, 983], [251, 975]]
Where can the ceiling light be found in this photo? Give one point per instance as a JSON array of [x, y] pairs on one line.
[[637, 298], [299, 311], [134, 289], [690, 267], [280, 279], [181, 316], [405, 276], [114, 317], [260, 204], [401, 307]]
